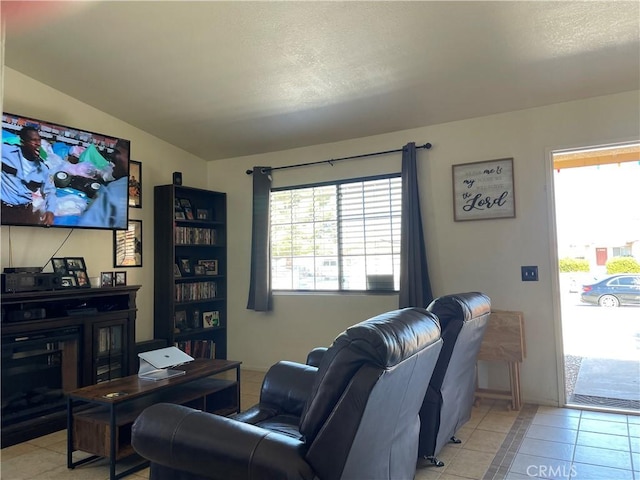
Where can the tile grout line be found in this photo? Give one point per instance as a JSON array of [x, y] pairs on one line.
[[575, 443], [502, 461]]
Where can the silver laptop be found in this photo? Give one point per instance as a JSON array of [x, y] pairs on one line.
[[155, 364]]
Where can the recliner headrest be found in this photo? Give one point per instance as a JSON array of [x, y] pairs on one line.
[[389, 338], [465, 306], [384, 341]]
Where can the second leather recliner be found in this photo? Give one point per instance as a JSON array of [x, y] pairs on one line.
[[450, 395]]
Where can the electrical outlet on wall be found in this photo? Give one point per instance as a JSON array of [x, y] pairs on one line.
[[529, 273]]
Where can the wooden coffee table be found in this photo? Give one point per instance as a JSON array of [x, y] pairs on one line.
[[99, 417]]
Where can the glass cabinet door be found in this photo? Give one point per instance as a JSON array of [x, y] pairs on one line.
[[110, 361]]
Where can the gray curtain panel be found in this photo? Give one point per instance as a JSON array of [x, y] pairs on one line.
[[260, 283], [415, 286]]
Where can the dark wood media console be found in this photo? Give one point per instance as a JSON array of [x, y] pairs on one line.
[[104, 429], [87, 336]]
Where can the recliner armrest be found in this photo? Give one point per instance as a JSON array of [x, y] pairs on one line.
[[216, 447], [285, 389], [315, 356]]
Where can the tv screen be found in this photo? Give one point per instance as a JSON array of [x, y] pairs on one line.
[[59, 176]]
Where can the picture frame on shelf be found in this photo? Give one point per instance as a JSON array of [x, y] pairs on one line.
[[188, 212], [135, 184], [120, 278], [210, 266], [178, 213], [82, 279], [199, 270], [196, 321], [185, 203], [176, 270], [75, 263], [69, 281], [181, 320], [106, 279], [59, 266], [483, 190], [127, 245], [186, 269], [202, 214], [211, 319]]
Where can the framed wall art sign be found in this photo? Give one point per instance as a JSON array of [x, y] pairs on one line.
[[483, 190]]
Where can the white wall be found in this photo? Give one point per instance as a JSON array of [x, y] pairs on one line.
[[29, 246], [463, 256]]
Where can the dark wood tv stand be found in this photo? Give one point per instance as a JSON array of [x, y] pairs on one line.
[[102, 322], [103, 426]]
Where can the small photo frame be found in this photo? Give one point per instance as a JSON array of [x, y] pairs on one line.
[[106, 279], [127, 245], [188, 213], [184, 263], [179, 215], [135, 184], [196, 321], [210, 266], [176, 270], [181, 320], [185, 203], [59, 265], [69, 281], [75, 263], [199, 270], [120, 278], [202, 214], [82, 278], [210, 319]]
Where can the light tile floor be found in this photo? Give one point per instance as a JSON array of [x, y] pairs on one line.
[[497, 444]]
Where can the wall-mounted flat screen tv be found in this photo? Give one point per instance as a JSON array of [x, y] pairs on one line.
[[59, 176]]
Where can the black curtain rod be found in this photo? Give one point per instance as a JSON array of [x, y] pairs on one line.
[[333, 160]]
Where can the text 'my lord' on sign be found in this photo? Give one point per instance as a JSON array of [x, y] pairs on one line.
[[483, 190]]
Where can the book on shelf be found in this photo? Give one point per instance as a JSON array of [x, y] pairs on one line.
[[198, 348], [185, 292], [195, 235]]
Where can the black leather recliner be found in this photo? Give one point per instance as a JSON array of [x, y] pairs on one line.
[[355, 416], [450, 396], [449, 399]]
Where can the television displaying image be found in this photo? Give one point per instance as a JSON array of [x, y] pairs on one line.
[[58, 176]]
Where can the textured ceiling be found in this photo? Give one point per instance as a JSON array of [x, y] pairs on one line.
[[226, 79]]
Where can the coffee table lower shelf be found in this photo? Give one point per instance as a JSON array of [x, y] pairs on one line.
[[103, 428]]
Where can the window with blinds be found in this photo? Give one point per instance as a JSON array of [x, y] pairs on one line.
[[339, 236]]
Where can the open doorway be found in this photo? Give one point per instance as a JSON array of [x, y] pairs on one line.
[[598, 235]]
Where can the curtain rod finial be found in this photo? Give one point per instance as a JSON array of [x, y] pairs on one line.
[[427, 145]]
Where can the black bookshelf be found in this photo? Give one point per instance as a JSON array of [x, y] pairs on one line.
[[190, 270]]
